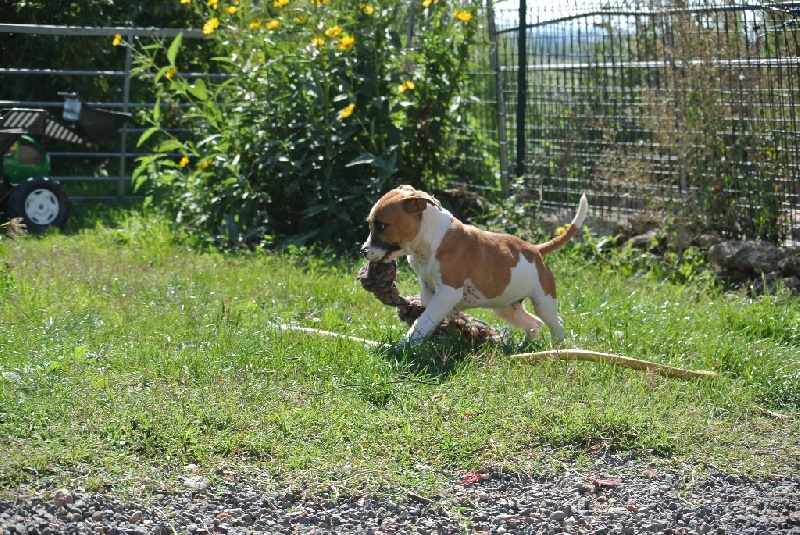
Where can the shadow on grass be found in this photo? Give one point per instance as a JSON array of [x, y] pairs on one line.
[[87, 214], [440, 357]]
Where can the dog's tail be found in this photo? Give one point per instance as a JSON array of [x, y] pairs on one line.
[[571, 230]]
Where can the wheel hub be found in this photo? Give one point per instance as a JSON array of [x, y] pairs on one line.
[[42, 206]]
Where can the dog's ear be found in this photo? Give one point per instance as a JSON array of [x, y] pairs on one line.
[[417, 202]]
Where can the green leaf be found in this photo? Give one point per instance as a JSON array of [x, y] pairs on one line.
[[157, 110], [199, 90], [316, 209], [139, 181], [146, 135], [363, 159], [209, 139], [172, 53], [169, 145]]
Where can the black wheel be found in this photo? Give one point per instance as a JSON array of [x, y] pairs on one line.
[[40, 202]]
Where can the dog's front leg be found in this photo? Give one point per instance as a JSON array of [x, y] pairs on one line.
[[444, 299], [425, 293]]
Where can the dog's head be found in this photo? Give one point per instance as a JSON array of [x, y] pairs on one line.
[[394, 222]]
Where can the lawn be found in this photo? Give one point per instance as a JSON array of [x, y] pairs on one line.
[[130, 359]]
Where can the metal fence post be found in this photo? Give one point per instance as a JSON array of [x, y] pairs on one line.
[[522, 63], [502, 134], [126, 97]]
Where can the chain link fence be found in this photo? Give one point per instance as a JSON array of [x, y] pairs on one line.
[[676, 108], [649, 107]]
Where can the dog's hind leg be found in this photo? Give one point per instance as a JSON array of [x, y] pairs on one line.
[[547, 308], [517, 316]]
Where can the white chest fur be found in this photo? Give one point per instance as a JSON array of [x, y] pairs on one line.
[[422, 250]]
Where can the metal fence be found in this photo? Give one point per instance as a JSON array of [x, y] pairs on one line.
[[653, 107], [648, 107], [112, 162]]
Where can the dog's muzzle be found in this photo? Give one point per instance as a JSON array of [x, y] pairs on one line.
[[379, 253]]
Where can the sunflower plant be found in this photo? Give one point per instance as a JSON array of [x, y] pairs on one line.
[[323, 104]]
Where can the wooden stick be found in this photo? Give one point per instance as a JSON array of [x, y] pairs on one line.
[[616, 360], [557, 354], [364, 341]]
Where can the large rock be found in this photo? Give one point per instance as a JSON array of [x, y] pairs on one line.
[[790, 265], [748, 257]]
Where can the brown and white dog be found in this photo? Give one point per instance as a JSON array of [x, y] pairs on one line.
[[460, 266]]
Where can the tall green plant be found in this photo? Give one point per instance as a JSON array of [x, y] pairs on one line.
[[323, 105]]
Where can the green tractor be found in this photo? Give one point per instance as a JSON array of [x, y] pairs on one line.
[[26, 192]]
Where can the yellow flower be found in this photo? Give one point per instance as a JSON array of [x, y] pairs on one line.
[[427, 3], [186, 1], [204, 164], [346, 42], [274, 23], [319, 2], [562, 230], [213, 4], [300, 19], [368, 9], [117, 40], [280, 3], [172, 71], [231, 10], [405, 86], [210, 25], [463, 16], [318, 42], [255, 24], [347, 112], [184, 162], [333, 31]]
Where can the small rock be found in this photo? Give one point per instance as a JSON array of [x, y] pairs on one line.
[[197, 482], [62, 497], [558, 516], [136, 517]]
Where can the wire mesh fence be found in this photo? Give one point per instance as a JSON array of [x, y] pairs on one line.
[[649, 106], [682, 108]]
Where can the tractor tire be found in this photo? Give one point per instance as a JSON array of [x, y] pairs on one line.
[[40, 202]]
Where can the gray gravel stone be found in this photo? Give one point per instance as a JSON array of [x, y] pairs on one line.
[[640, 502]]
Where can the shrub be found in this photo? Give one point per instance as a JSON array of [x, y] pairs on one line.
[[323, 107]]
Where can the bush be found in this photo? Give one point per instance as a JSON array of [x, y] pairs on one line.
[[324, 107]]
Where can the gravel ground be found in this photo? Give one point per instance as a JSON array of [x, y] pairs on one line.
[[636, 500]]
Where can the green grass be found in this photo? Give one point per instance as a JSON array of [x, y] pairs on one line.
[[127, 356]]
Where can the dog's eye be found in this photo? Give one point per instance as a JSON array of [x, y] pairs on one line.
[[380, 227]]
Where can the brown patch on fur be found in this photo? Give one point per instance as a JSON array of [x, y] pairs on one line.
[[499, 252], [465, 246], [546, 278], [559, 241]]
